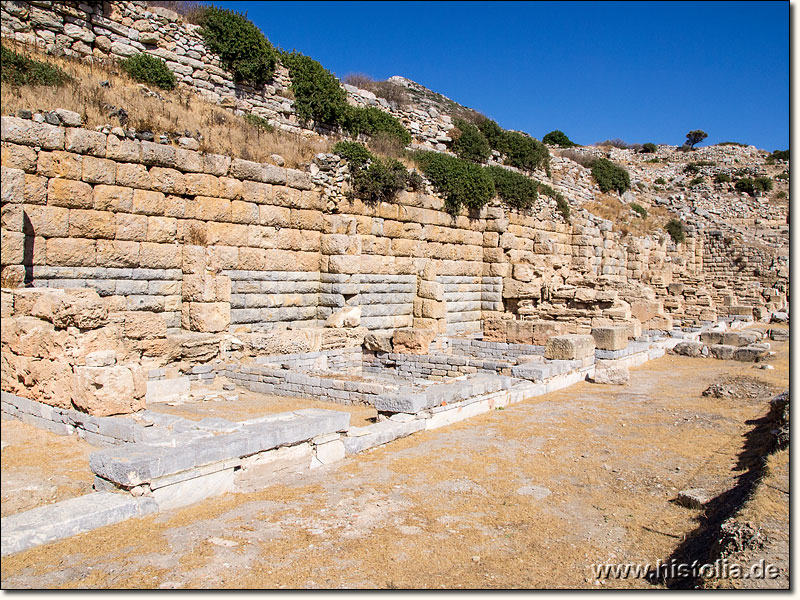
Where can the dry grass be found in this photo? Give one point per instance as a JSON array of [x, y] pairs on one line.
[[181, 110], [610, 207]]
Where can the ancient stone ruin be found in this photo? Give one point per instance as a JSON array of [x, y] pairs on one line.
[[141, 272]]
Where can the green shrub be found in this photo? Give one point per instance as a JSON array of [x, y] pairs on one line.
[[780, 195], [732, 144], [649, 148], [782, 176], [242, 48], [372, 121], [375, 179], [763, 184], [675, 230], [722, 178], [524, 152], [558, 138], [459, 181], [259, 122], [471, 144], [653, 161], [660, 181], [639, 209], [380, 181], [695, 181], [317, 93], [149, 69], [513, 188], [746, 186], [610, 176], [354, 153], [492, 132], [21, 70]]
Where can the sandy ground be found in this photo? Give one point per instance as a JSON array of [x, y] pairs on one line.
[[530, 496], [40, 467], [251, 405]]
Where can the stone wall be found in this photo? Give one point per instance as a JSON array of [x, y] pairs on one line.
[[211, 242]]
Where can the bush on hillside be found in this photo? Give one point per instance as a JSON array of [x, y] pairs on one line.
[[722, 178], [660, 181], [353, 152], [610, 176], [558, 138], [676, 230], [317, 93], [20, 70], [639, 209], [696, 181], [777, 155], [752, 187], [524, 152], [470, 144], [460, 182], [492, 132], [649, 148], [513, 188], [259, 122], [373, 121], [242, 48]]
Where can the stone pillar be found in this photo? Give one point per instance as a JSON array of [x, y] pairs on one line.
[[429, 305], [206, 293]]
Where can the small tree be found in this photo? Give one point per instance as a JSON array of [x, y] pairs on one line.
[[695, 137], [675, 230], [649, 148], [558, 138]]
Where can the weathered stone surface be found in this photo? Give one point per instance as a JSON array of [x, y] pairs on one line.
[[689, 348], [359, 439], [412, 341], [610, 338], [208, 316], [694, 498], [346, 317], [569, 347], [378, 343], [70, 517], [611, 375], [104, 391], [144, 325]]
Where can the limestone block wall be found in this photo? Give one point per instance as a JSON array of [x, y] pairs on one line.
[[214, 243]]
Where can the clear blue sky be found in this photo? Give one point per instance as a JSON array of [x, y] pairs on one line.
[[640, 71]]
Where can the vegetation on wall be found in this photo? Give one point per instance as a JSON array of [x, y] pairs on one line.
[[470, 143], [610, 176], [18, 69], [317, 93], [524, 152], [149, 69], [242, 48], [374, 121], [375, 179], [676, 230], [460, 182], [513, 188]]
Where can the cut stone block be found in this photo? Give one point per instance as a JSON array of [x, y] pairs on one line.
[[750, 353], [70, 517], [193, 490], [694, 498], [610, 338], [689, 348], [330, 452], [611, 376], [363, 438], [569, 347]]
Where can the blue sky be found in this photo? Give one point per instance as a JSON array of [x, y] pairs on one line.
[[640, 71]]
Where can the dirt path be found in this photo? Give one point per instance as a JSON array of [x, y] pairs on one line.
[[40, 467], [529, 496]]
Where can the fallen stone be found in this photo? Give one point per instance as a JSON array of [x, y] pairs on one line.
[[694, 498], [750, 353], [689, 348], [378, 343], [779, 317]]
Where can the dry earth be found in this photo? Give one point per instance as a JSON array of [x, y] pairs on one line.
[[527, 497]]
